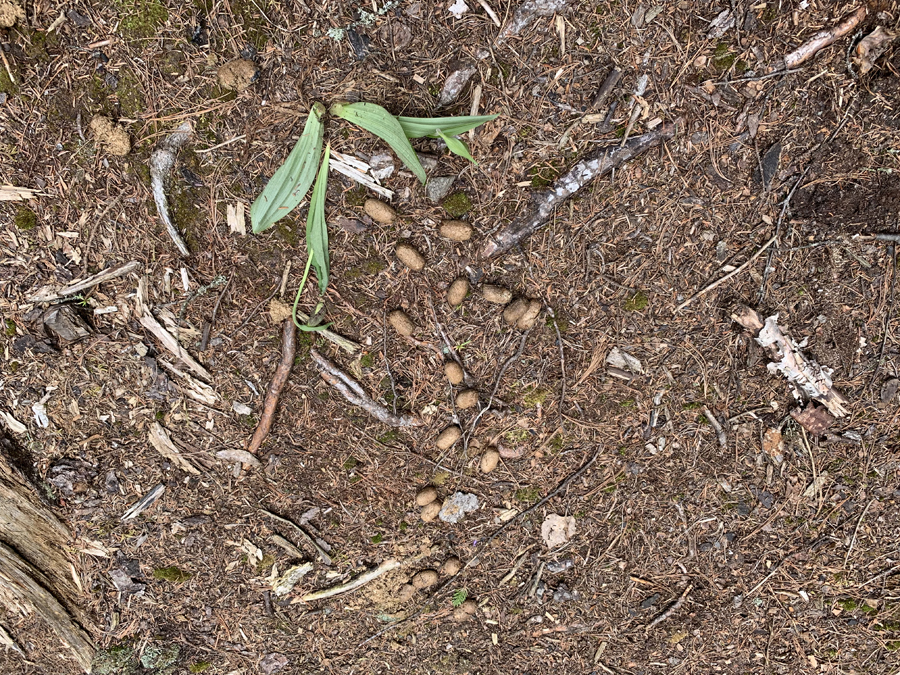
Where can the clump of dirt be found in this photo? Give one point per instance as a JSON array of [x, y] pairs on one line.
[[238, 74], [852, 205], [11, 11], [111, 137]]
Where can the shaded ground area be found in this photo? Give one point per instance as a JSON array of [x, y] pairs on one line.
[[788, 552]]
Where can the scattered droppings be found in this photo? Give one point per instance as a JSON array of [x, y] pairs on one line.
[[406, 592], [451, 566], [556, 530], [110, 136], [448, 437], [424, 579], [514, 311], [380, 212], [530, 315], [465, 611], [426, 496], [455, 230], [438, 188], [496, 294], [11, 11], [454, 372], [457, 291], [489, 460], [279, 311], [457, 506], [467, 398], [401, 322], [410, 257], [237, 75], [430, 511]]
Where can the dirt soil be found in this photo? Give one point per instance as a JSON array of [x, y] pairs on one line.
[[772, 551]]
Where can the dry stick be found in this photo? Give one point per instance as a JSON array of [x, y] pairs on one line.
[[48, 293], [161, 162], [821, 40], [475, 559], [611, 81], [596, 164], [212, 321], [856, 532], [714, 423], [672, 609], [306, 536], [352, 585], [882, 575], [353, 392], [288, 335], [734, 272]]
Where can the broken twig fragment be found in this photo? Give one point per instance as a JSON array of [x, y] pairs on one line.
[[672, 608], [821, 40], [598, 163], [352, 585], [353, 392], [50, 293], [161, 162], [144, 503], [306, 536], [288, 347]]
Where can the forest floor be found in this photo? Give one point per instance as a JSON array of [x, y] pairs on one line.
[[772, 550]]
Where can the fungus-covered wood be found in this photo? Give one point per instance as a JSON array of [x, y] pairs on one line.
[[288, 347], [598, 163]]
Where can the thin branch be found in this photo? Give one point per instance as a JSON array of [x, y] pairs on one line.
[[288, 347], [672, 609], [352, 585]]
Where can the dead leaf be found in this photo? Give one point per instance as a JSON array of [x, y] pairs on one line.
[[815, 420], [239, 456], [619, 359], [234, 214], [557, 530], [817, 485], [773, 444]]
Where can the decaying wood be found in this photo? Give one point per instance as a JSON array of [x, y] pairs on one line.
[[51, 293], [161, 162], [596, 164], [352, 585], [144, 503], [288, 347], [306, 536], [821, 40], [159, 438], [527, 12], [12, 193], [35, 572], [353, 392], [811, 380]]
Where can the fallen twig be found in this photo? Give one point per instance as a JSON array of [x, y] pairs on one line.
[[821, 40], [144, 502], [12, 193], [714, 423], [597, 163], [161, 162], [288, 347], [672, 609], [50, 293], [353, 392], [306, 536], [352, 585]]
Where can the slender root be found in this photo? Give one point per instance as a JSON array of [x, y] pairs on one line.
[[288, 335]]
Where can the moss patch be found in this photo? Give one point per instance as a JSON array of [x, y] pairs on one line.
[[458, 204], [637, 302], [722, 58], [528, 495], [161, 657], [117, 660], [199, 667], [128, 91], [517, 437], [535, 396], [7, 86], [141, 18], [173, 574], [264, 565], [25, 219]]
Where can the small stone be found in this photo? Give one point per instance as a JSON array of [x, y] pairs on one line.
[[514, 311], [451, 566], [458, 506], [489, 460], [468, 398], [410, 257], [406, 592], [426, 495], [458, 291], [438, 188], [401, 322], [454, 372], [496, 294], [380, 212], [424, 579], [111, 136], [237, 75], [448, 437], [430, 511], [455, 230], [528, 319]]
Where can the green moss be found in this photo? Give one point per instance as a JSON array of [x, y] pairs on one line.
[[141, 18], [172, 574], [199, 667], [9, 328], [356, 197], [264, 565], [305, 342], [378, 538], [535, 396], [557, 443], [887, 626], [627, 403], [38, 43], [248, 14], [287, 231], [388, 437], [892, 646], [722, 58], [517, 436], [367, 360], [439, 478], [693, 405], [7, 86], [637, 302], [528, 495], [116, 660], [458, 204], [350, 464], [544, 174], [25, 219], [160, 656], [130, 95]]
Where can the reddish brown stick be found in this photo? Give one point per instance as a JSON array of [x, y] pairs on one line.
[[822, 39], [288, 335]]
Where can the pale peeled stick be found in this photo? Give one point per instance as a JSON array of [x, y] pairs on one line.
[[467, 398], [454, 373], [426, 495], [457, 291], [448, 437], [380, 212], [410, 257], [455, 230], [424, 579], [430, 511], [528, 319], [401, 322], [496, 294], [489, 460]]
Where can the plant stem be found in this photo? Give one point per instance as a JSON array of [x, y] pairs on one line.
[[300, 290]]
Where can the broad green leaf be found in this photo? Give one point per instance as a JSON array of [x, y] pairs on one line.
[[418, 127], [377, 120], [291, 182], [316, 227], [456, 146]]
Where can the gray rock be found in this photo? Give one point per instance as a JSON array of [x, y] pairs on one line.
[[438, 188], [458, 506]]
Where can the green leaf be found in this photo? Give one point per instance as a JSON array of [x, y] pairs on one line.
[[291, 182], [377, 120], [316, 227], [456, 146], [418, 127], [459, 596]]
